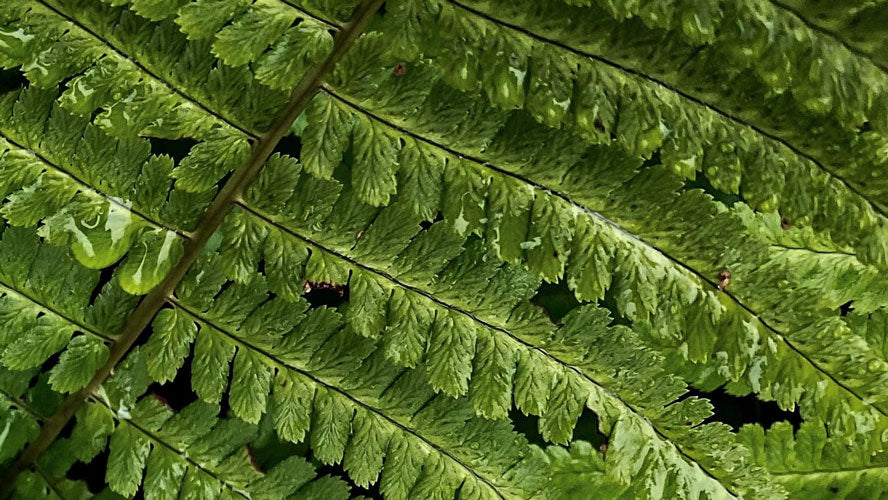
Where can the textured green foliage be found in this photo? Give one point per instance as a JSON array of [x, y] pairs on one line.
[[473, 249]]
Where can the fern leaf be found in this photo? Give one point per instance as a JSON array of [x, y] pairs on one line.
[[640, 294], [442, 249], [810, 462], [568, 399], [664, 110]]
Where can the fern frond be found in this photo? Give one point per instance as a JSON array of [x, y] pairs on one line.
[[810, 463], [20, 421], [569, 230], [47, 309], [427, 308], [205, 18], [22, 408], [135, 211], [218, 107], [770, 174], [859, 25], [136, 60], [817, 114], [155, 440], [871, 325], [191, 453], [735, 34], [353, 409], [565, 209]]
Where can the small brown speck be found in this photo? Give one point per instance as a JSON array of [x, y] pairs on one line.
[[400, 69], [162, 400], [784, 224], [603, 448], [253, 462], [724, 279]]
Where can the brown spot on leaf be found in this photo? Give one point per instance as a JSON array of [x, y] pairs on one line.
[[162, 400], [724, 279], [253, 461], [784, 224], [400, 69]]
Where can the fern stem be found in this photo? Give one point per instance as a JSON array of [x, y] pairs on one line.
[[212, 219], [677, 91], [812, 250], [838, 470]]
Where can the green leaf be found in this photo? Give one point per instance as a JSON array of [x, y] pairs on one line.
[[419, 178], [209, 369], [367, 309], [169, 344], [204, 18], [407, 331], [47, 195], [326, 137], [156, 10], [244, 39], [164, 474], [210, 160], [250, 385], [292, 405], [293, 54], [375, 163], [129, 453], [324, 488], [363, 457], [402, 469], [286, 477], [152, 256], [491, 387], [90, 434], [284, 260], [45, 336], [330, 428], [83, 357], [567, 401], [451, 347]]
